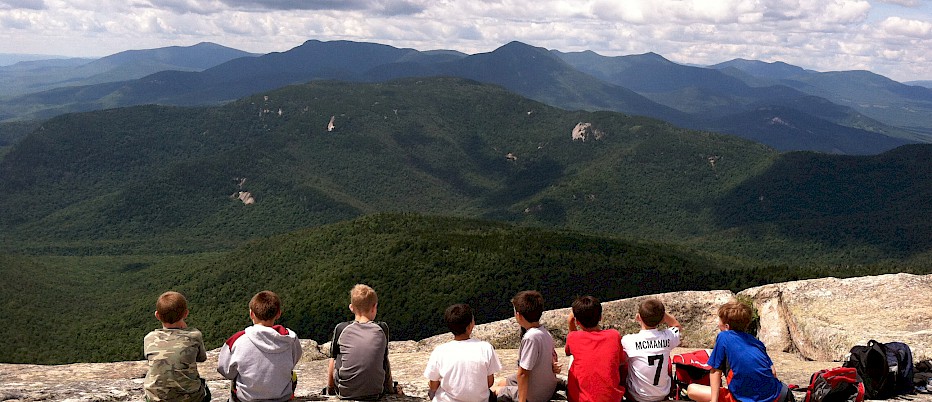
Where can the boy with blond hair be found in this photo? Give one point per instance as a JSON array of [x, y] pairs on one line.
[[260, 359], [359, 367], [649, 352], [173, 353], [751, 376], [598, 359]]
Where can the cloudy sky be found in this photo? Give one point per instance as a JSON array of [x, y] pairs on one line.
[[889, 37]]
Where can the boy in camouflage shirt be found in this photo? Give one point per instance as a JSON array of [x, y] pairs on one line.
[[173, 352]]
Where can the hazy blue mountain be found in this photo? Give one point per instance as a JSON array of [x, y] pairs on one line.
[[537, 74], [48, 74], [789, 129], [777, 70], [726, 103], [524, 69], [8, 59], [648, 84], [36, 65], [927, 84], [892, 103]]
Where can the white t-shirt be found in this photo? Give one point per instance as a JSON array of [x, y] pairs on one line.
[[463, 369], [649, 362]]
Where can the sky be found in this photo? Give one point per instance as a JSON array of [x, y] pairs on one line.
[[888, 37]]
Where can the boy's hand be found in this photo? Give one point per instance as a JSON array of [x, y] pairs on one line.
[[557, 367], [571, 322]]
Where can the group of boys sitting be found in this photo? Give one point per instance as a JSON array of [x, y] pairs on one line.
[[607, 367]]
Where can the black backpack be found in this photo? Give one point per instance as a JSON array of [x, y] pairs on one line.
[[885, 369], [871, 364], [900, 359]]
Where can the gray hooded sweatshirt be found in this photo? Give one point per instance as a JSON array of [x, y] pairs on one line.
[[260, 361]]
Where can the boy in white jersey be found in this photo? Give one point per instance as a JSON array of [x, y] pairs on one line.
[[649, 353]]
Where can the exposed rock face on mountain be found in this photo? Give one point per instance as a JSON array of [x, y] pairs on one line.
[[807, 326], [585, 131], [821, 319]]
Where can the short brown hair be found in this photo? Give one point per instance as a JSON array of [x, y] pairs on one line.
[[736, 315], [363, 298], [171, 307], [458, 317], [587, 311], [652, 312], [265, 305], [530, 303]]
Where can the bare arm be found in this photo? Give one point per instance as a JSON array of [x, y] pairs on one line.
[[331, 384], [715, 378], [671, 321], [432, 388], [557, 367], [491, 380], [523, 378]]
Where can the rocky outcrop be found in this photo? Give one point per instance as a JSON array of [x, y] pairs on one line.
[[585, 131], [821, 319], [807, 326]]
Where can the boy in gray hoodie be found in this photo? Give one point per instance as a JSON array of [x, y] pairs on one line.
[[260, 359]]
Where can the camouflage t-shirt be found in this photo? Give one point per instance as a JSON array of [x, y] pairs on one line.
[[173, 355]]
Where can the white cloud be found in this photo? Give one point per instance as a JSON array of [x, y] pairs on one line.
[[907, 27], [904, 3], [818, 34]]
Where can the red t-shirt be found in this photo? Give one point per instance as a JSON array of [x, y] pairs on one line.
[[594, 375]]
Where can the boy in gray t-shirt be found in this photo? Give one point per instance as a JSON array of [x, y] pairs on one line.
[[359, 367], [536, 380]]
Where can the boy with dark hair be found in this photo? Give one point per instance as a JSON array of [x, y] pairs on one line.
[[535, 380], [464, 368], [598, 360], [173, 353], [751, 376], [260, 359], [649, 352], [359, 367]]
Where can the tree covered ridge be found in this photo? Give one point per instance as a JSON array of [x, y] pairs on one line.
[[156, 179], [98, 308]]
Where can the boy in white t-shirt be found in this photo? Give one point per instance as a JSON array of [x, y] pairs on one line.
[[462, 369], [649, 353]]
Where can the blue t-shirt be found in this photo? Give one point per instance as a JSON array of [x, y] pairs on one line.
[[751, 378]]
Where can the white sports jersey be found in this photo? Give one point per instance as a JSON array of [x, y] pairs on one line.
[[649, 362]]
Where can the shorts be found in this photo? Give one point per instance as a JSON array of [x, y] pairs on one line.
[[724, 395]]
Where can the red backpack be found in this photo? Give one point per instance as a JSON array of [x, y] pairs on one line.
[[840, 384]]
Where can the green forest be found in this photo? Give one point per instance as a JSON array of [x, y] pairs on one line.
[[433, 191], [98, 308]]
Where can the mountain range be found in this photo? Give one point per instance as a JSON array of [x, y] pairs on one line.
[[40, 75], [783, 106], [152, 178], [432, 189]]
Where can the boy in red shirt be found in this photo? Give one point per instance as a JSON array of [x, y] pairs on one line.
[[596, 374]]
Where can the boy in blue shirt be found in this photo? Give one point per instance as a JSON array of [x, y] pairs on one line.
[[751, 376]]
